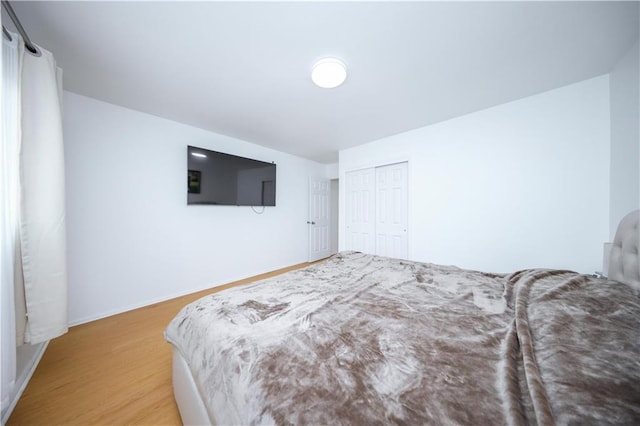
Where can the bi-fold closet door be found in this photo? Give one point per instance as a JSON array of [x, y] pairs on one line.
[[376, 210]]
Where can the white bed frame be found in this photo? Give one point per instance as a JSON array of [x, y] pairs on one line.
[[192, 409], [624, 266]]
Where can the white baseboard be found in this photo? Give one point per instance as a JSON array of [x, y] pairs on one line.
[[148, 302], [24, 381], [210, 286], [111, 312]]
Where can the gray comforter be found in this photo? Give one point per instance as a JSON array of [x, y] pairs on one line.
[[360, 339]]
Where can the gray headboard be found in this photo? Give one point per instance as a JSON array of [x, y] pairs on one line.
[[624, 262]]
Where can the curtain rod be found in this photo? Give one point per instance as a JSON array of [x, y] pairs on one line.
[[19, 27]]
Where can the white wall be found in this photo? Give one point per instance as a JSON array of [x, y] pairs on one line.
[[523, 184], [132, 239], [331, 171], [625, 138]]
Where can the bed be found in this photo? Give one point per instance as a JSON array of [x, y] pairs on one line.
[[362, 339]]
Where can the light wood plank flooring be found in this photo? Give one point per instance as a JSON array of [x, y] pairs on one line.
[[113, 371]]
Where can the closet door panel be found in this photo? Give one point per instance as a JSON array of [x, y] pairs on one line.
[[391, 211], [376, 211], [360, 213]]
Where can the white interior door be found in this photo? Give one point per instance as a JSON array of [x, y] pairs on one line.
[[359, 209], [318, 222], [391, 211]]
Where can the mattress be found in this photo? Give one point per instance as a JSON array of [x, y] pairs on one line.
[[367, 339]]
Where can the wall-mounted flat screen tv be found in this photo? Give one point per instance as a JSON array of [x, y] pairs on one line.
[[224, 179]]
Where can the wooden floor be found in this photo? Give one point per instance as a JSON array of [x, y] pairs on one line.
[[114, 371]]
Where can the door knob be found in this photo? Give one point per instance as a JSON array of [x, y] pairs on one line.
[[310, 223]]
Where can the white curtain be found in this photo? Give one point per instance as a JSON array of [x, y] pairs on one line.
[[9, 213], [32, 205], [42, 203]]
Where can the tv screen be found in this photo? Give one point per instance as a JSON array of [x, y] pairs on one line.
[[224, 179]]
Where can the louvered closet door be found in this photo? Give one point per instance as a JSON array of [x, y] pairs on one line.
[[376, 211]]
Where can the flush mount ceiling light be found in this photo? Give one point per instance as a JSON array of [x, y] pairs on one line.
[[329, 73]]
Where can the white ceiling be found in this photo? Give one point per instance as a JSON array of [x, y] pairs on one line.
[[243, 69]]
